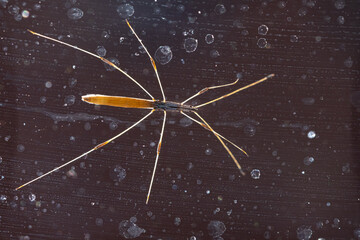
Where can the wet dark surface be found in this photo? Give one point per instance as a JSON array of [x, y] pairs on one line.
[[301, 128]]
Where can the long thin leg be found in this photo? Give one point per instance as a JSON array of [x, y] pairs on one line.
[[238, 90], [208, 88], [157, 158], [94, 55], [84, 154], [226, 148], [204, 126], [151, 59]]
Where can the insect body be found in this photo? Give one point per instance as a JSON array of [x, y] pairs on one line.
[[153, 105]]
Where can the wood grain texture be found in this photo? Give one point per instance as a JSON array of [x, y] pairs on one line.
[[309, 110]]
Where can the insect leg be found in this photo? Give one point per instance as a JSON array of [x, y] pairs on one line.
[[151, 59], [221, 141], [94, 55], [204, 126], [157, 158], [238, 90], [84, 154], [208, 88]]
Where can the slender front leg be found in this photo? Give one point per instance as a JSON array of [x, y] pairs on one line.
[[208, 88], [236, 91], [84, 154], [157, 157], [221, 141]]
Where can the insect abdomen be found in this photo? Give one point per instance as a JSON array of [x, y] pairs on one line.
[[118, 101]]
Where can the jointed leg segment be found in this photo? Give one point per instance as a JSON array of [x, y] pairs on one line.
[[208, 88], [94, 55], [221, 141], [91, 150], [151, 59], [204, 126], [157, 158]]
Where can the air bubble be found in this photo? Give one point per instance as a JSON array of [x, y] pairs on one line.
[[32, 197], [75, 13], [308, 160], [255, 173], [163, 55], [125, 10], [48, 84], [101, 51], [220, 9], [69, 100], [25, 13], [190, 45], [263, 29], [311, 134], [262, 43], [20, 148], [209, 38], [294, 38]]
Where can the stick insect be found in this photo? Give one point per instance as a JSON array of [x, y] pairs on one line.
[[152, 105]]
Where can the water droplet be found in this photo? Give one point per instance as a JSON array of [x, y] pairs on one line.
[[294, 38], [130, 230], [255, 173], [48, 84], [177, 221], [32, 197], [339, 4], [101, 51], [341, 20], [304, 233], [115, 61], [302, 12], [262, 43], [13, 9], [121, 39], [113, 125], [69, 100], [214, 53], [125, 10], [1, 177], [3, 197], [311, 134], [20, 148], [25, 13], [250, 130], [209, 38], [207, 192], [263, 29], [208, 151], [190, 45], [348, 62], [75, 13], [118, 174], [308, 160], [99, 222], [1, 159], [220, 9], [216, 228], [72, 82], [163, 55]]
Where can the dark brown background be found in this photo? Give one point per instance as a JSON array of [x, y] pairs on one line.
[[316, 88]]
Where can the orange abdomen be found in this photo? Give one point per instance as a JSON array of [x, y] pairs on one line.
[[118, 101]]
